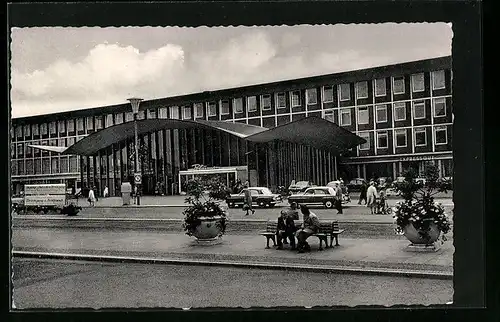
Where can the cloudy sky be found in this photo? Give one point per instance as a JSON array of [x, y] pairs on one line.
[[61, 69]]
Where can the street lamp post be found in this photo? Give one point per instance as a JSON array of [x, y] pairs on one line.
[[137, 174]]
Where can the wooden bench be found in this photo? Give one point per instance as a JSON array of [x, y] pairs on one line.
[[327, 229]]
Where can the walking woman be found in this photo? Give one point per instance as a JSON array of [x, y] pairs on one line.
[[371, 197]]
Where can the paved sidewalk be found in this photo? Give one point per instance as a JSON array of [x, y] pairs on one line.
[[379, 255], [179, 201]]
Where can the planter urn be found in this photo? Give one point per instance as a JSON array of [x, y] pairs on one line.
[[412, 234], [209, 230]]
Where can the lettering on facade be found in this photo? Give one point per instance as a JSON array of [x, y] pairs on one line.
[[418, 158]]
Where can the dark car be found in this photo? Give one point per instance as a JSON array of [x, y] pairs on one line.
[[355, 184], [261, 196], [315, 195], [299, 186]]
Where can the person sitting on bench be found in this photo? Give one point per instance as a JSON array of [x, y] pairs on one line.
[[294, 214], [310, 226], [285, 229]]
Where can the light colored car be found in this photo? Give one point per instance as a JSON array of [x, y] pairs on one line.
[[262, 196], [299, 186]]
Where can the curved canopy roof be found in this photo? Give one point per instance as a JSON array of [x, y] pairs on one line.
[[311, 131], [114, 134]]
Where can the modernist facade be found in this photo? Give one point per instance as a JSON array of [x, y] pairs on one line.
[[403, 111]]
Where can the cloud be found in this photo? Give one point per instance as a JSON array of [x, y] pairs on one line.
[[109, 70]]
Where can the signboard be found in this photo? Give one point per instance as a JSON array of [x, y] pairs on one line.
[[137, 178], [45, 189], [45, 200]]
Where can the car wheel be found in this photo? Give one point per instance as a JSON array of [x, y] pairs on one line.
[[230, 205], [262, 204], [328, 204]]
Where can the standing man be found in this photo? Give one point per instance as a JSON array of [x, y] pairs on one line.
[[310, 226], [338, 198], [362, 195]]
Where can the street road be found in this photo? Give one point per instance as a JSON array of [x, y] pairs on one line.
[[66, 284]]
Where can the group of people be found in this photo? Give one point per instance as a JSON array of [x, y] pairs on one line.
[[376, 201], [286, 229]]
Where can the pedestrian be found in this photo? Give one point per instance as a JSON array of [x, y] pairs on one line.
[[310, 226], [285, 229], [362, 194], [106, 192], [338, 198], [247, 202], [91, 198], [136, 194], [371, 197]]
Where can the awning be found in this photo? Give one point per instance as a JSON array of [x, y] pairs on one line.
[[50, 148], [114, 134], [312, 131]]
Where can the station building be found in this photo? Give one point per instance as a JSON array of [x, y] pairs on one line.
[[381, 121]]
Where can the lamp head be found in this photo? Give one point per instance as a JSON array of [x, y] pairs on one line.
[[134, 101]]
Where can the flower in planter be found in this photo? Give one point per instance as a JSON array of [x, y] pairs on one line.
[[204, 197], [419, 207]]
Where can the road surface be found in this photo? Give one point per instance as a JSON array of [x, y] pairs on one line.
[[67, 284]]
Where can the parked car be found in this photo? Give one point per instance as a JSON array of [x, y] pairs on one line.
[[299, 186], [355, 184], [315, 195], [261, 196], [346, 198]]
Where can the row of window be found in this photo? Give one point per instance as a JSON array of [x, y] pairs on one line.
[[401, 138], [54, 165], [361, 90], [399, 112], [24, 149]]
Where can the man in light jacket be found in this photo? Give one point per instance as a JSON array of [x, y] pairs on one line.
[[310, 226]]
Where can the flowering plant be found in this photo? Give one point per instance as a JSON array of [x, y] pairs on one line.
[[419, 207], [203, 204]]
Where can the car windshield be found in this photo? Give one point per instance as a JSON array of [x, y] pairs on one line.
[[302, 183]]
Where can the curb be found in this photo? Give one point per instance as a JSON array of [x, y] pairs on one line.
[[327, 269], [185, 205]]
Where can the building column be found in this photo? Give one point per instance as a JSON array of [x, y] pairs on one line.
[[358, 167], [335, 169], [364, 171], [400, 167], [394, 172], [440, 168]]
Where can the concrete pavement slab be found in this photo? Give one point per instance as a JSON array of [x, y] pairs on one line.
[[361, 253]]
